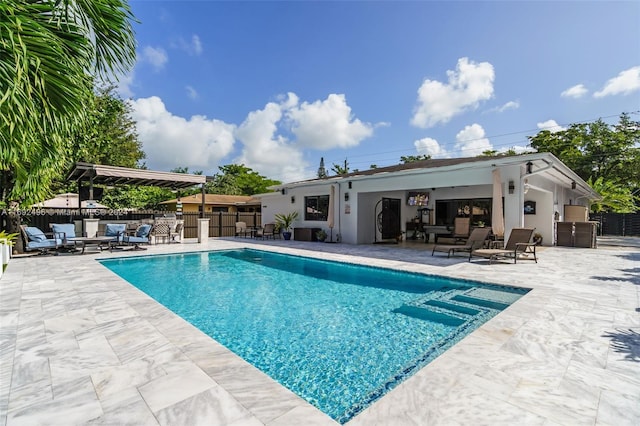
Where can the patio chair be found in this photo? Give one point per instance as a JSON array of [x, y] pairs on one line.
[[241, 229], [176, 233], [65, 232], [35, 239], [161, 229], [519, 246], [475, 241], [461, 227], [141, 236], [268, 231], [117, 231]]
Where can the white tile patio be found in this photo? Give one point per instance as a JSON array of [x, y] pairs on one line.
[[79, 345]]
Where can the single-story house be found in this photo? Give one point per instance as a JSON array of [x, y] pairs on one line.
[[364, 207], [214, 203]]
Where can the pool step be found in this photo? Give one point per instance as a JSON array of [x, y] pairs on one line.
[[491, 304], [432, 314]]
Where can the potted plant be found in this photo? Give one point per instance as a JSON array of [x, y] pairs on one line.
[[6, 243], [284, 222], [537, 238], [321, 235]]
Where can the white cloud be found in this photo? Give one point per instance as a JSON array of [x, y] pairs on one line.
[[156, 56], [576, 91], [551, 126], [264, 150], [327, 124], [193, 47], [171, 141], [626, 82], [509, 105], [191, 92], [471, 141], [467, 86], [430, 146]]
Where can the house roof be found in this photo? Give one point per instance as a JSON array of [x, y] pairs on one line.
[[216, 199], [112, 175], [542, 161]]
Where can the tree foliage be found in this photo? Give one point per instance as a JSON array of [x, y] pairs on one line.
[[413, 158], [237, 179], [608, 156], [340, 169], [50, 50]]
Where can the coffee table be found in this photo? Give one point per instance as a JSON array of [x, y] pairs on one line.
[[96, 241]]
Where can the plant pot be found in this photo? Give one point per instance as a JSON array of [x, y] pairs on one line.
[[286, 235]]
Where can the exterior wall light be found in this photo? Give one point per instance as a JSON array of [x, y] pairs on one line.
[[512, 187], [529, 167], [573, 185], [346, 196], [293, 199]]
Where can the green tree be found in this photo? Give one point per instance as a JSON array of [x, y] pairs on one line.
[[322, 172], [340, 170], [237, 179], [108, 136], [413, 158], [615, 198], [50, 51], [598, 152], [136, 197]]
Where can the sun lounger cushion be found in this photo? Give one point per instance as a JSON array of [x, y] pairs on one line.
[[143, 231]]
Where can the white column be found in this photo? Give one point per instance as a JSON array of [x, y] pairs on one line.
[[203, 230]]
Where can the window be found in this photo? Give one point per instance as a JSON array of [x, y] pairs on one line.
[[478, 209], [316, 207]]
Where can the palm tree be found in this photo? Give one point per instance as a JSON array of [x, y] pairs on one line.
[[50, 53]]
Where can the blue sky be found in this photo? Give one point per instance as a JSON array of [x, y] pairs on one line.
[[276, 85]]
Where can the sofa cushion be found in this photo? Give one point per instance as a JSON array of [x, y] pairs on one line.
[[35, 234], [68, 229]]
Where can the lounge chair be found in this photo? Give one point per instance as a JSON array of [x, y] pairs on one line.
[[66, 232], [475, 241], [461, 228], [519, 246], [161, 229], [268, 231], [35, 239], [141, 236]]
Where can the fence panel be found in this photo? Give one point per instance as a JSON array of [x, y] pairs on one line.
[[621, 224], [221, 224]]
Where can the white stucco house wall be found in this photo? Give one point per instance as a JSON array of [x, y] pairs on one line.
[[538, 179]]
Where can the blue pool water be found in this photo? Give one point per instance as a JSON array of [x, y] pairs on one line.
[[338, 335]]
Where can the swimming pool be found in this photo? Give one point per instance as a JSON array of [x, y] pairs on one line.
[[338, 335]]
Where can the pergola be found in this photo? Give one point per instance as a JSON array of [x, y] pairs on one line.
[[112, 175]]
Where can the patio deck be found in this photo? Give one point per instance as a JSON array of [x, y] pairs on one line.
[[81, 346]]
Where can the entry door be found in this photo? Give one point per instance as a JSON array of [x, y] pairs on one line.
[[390, 218]]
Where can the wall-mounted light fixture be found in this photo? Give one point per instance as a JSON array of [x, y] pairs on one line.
[[283, 191], [293, 199], [350, 184], [512, 187], [529, 167], [346, 196], [526, 186], [573, 185]]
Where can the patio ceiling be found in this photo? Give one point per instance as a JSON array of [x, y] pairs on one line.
[[111, 175]]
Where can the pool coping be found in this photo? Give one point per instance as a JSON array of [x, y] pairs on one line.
[[81, 341]]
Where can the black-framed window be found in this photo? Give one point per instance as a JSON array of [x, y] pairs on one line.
[[477, 209], [316, 207]]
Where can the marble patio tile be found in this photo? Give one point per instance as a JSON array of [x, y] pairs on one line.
[[604, 379], [306, 414], [92, 356], [75, 409], [136, 340], [567, 403], [75, 321], [110, 382], [8, 319], [30, 372], [30, 393], [530, 343], [170, 389], [112, 310], [104, 329], [618, 409], [212, 407]]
